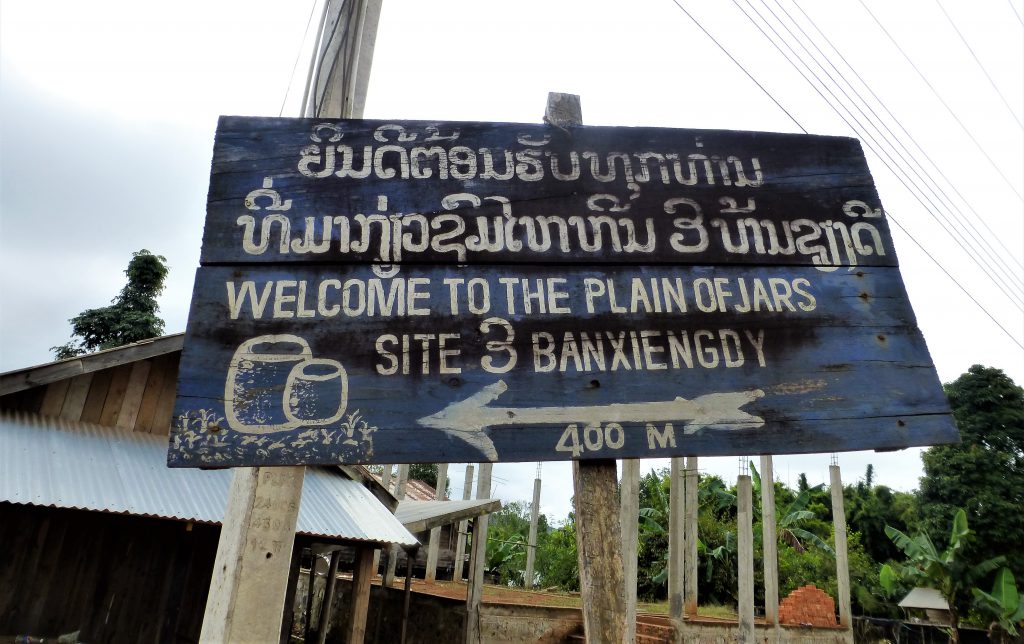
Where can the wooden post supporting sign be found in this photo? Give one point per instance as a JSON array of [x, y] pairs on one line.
[[598, 533], [250, 575]]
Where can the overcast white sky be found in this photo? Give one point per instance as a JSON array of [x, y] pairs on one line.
[[107, 114]]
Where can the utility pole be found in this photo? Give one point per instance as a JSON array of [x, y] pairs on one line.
[[250, 574]]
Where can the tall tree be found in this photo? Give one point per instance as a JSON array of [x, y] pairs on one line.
[[984, 474], [131, 316]]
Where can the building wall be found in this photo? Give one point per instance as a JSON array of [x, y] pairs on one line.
[[138, 396], [113, 578]]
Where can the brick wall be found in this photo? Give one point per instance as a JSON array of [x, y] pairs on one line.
[[808, 605]]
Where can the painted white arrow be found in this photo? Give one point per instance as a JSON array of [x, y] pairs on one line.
[[467, 419]]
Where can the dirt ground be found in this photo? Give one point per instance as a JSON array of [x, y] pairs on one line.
[[504, 595]]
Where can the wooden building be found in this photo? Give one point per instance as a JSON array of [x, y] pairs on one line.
[[99, 537]]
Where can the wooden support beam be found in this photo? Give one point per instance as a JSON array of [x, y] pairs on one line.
[[477, 560], [250, 575], [690, 529], [362, 575], [328, 599], [410, 556], [629, 520], [769, 542], [434, 544], [745, 558], [460, 542], [294, 571], [403, 480], [307, 623], [842, 558]]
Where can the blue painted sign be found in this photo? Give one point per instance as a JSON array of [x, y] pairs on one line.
[[606, 293]]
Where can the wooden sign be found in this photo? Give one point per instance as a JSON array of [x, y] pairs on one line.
[[461, 292]]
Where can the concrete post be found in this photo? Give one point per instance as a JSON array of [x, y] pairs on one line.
[[531, 541], [676, 540], [745, 558], [629, 517], [250, 574], [842, 559], [690, 528], [769, 542]]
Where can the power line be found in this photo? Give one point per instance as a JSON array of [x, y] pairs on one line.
[[905, 231], [997, 276], [1015, 14], [740, 65], [876, 120], [298, 55], [900, 125], [941, 100], [982, 67], [954, 280]]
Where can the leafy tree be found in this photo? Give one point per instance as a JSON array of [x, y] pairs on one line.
[[131, 316], [869, 508], [950, 572], [556, 557], [508, 532], [985, 473], [427, 472]]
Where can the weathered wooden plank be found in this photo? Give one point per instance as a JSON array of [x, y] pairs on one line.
[[165, 405], [22, 379], [158, 372], [413, 369], [97, 395], [133, 392], [462, 192], [78, 393], [598, 548], [119, 378], [53, 400]]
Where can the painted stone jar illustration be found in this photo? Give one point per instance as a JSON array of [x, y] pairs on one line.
[[275, 384]]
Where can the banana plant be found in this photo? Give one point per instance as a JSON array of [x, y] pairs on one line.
[[944, 571], [1003, 602]]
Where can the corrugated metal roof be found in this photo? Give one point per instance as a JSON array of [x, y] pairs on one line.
[[423, 515], [49, 462], [928, 598]]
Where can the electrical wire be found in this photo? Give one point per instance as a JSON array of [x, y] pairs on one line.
[[902, 128], [944, 104], [298, 56], [954, 280], [998, 277], [980, 66], [1015, 14], [876, 119], [740, 65], [895, 222]]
